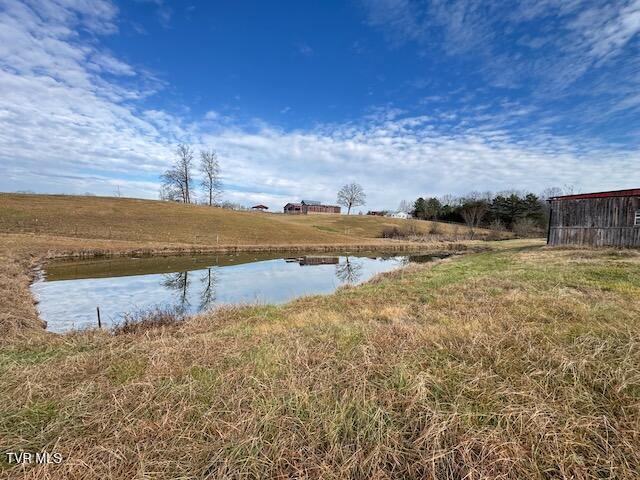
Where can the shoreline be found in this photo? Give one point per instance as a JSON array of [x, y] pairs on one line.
[[232, 249], [21, 318]]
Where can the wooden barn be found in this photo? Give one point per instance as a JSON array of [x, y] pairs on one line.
[[310, 207], [595, 219]]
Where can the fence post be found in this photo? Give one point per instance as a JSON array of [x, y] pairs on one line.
[[98, 312]]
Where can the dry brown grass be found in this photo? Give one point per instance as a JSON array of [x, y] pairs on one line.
[[134, 220], [516, 364], [145, 320], [369, 226], [17, 309]]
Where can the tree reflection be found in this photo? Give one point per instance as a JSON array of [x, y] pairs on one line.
[[181, 283], [208, 294], [348, 271], [178, 281]]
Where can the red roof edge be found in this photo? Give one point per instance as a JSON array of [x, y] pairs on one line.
[[634, 192]]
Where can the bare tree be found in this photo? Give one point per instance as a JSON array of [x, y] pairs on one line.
[[405, 206], [164, 193], [550, 192], [210, 169], [118, 193], [351, 195], [450, 200], [472, 212], [177, 180]]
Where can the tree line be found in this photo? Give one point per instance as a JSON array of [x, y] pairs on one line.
[[178, 184], [523, 212]]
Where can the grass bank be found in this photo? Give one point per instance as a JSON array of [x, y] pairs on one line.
[[522, 362]]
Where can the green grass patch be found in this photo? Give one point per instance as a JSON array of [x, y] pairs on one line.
[[326, 229], [123, 371], [12, 358], [618, 277], [28, 423], [36, 355], [207, 377]]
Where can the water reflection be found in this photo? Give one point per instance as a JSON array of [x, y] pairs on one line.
[[349, 271], [208, 294], [69, 292], [178, 282]]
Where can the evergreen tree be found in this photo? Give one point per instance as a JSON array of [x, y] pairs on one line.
[[432, 208], [420, 208], [507, 209], [534, 209]]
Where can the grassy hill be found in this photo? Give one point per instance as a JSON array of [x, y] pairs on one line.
[[154, 221]]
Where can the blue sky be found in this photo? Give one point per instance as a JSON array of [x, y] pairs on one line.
[[406, 97]]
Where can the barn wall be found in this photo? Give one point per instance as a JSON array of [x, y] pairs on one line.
[[313, 210], [595, 221]]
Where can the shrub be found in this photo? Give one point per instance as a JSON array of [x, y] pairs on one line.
[[392, 232], [399, 232], [497, 226], [525, 227], [148, 319]]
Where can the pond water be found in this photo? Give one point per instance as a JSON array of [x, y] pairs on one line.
[[68, 292]]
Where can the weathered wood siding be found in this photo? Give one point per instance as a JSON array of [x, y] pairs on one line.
[[595, 221]]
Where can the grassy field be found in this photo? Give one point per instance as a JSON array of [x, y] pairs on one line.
[[513, 361], [522, 362], [154, 221]]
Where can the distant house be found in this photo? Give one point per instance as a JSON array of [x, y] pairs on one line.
[[376, 213], [310, 207], [403, 215], [260, 208]]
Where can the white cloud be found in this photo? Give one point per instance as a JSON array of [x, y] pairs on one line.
[[572, 38], [163, 11], [106, 63], [211, 115], [57, 111], [304, 49], [409, 157], [605, 30]]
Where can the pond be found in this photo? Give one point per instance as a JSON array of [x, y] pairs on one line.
[[68, 292]]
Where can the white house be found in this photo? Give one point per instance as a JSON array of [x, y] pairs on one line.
[[403, 215]]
